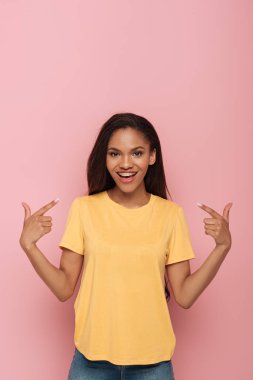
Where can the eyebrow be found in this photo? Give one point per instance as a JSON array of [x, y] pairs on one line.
[[137, 147]]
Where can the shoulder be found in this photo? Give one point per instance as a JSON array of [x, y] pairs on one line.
[[167, 204], [88, 200], [166, 210]]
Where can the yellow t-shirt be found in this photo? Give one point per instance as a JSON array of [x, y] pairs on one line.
[[121, 313]]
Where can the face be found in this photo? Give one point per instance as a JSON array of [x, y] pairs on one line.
[[128, 154]]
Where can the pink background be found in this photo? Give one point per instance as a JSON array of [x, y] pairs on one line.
[[67, 66]]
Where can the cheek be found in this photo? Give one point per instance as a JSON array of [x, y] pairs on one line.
[[144, 164], [107, 161], [109, 164]]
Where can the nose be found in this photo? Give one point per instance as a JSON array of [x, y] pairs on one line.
[[125, 162]]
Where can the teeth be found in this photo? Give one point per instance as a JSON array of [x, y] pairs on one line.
[[126, 174]]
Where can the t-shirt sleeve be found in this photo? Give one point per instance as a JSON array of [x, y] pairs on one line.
[[179, 245], [73, 236]]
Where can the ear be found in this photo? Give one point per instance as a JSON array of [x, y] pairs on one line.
[[152, 157]]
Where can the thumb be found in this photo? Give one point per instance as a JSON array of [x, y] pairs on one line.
[[27, 210], [226, 211]]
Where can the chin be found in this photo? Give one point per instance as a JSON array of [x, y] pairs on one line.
[[128, 188]]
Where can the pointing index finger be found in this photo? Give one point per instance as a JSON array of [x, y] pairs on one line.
[[209, 210], [47, 207]]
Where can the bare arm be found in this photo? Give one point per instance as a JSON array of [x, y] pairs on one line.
[[61, 281], [187, 287]]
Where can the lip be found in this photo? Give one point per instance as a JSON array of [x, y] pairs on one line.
[[122, 172], [126, 179]]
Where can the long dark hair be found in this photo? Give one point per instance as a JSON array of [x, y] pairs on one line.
[[99, 178]]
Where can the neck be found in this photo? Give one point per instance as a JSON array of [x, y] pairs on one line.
[[137, 198]]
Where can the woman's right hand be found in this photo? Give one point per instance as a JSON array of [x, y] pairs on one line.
[[35, 225]]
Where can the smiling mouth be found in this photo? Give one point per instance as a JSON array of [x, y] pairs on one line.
[[126, 176]]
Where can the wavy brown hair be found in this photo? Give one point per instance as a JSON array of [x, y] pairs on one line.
[[99, 178]]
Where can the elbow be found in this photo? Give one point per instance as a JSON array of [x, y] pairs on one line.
[[184, 299], [64, 297], [61, 299], [185, 304], [65, 293]]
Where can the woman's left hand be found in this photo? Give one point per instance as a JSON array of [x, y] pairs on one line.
[[218, 225]]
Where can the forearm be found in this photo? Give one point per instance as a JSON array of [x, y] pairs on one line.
[[195, 283], [53, 277]]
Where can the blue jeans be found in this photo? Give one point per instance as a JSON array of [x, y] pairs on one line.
[[84, 369]]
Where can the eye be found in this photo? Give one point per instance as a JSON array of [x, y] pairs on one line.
[[112, 154], [139, 153]]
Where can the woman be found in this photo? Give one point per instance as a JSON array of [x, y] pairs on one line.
[[128, 238]]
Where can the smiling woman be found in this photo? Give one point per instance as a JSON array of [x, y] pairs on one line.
[[128, 231], [133, 244]]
